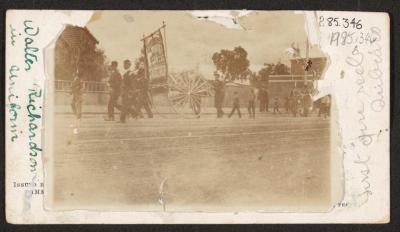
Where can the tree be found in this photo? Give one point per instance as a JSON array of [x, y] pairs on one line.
[[264, 73], [232, 63], [281, 69], [262, 77], [76, 50], [91, 65]]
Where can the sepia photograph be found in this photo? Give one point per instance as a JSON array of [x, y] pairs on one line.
[[178, 111]]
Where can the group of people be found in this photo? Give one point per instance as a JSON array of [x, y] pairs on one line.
[[299, 103], [261, 94], [133, 89]]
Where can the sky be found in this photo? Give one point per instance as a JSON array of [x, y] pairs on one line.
[[192, 42]]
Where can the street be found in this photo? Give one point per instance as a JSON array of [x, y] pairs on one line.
[[272, 162]]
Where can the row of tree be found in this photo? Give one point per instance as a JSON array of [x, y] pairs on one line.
[[92, 65], [234, 65]]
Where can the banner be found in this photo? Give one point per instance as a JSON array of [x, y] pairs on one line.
[[155, 55]]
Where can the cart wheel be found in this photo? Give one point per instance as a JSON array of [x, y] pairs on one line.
[[185, 92]]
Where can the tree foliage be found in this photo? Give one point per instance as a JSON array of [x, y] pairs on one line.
[[263, 76], [273, 69], [281, 69], [234, 64], [91, 65], [83, 57]]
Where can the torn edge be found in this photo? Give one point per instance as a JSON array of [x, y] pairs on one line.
[[227, 18], [161, 198]]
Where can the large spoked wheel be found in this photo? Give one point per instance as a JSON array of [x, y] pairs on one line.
[[185, 91]]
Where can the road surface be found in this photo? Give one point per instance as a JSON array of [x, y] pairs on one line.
[[272, 162]]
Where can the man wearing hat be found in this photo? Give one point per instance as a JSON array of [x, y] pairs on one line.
[[219, 87], [127, 95], [115, 91], [142, 83]]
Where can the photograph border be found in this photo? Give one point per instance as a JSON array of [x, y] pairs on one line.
[[392, 7]]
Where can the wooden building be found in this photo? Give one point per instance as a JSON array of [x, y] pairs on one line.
[[71, 46]]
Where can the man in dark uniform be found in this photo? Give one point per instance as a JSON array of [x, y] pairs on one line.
[[219, 87], [127, 95], [115, 91], [142, 83]]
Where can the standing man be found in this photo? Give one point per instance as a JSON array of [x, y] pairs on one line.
[[115, 91], [77, 87], [127, 95], [143, 100], [134, 94], [261, 98], [252, 103], [293, 102], [266, 99], [307, 103], [219, 87], [236, 105], [325, 106], [276, 106], [298, 104], [287, 104]]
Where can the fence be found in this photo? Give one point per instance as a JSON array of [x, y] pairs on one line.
[[291, 78], [96, 93], [102, 87], [89, 86]]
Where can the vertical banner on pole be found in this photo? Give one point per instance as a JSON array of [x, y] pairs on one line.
[[156, 61]]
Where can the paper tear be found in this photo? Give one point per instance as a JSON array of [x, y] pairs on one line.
[[161, 192], [95, 16], [227, 18], [323, 87]]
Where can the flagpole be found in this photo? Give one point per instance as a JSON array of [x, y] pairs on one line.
[[307, 60], [162, 27], [146, 70], [165, 49]]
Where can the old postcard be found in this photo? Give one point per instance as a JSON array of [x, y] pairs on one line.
[[197, 117]]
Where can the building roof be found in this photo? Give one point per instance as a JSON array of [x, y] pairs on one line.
[[72, 35]]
